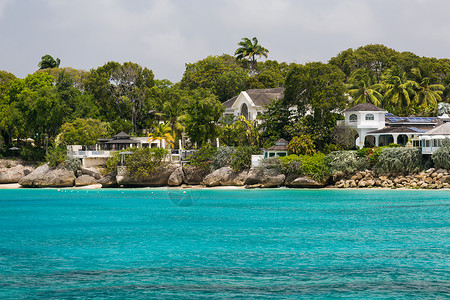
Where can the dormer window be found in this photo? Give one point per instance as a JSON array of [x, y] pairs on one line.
[[370, 117], [353, 118]]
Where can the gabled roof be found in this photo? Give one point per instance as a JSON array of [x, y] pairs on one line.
[[443, 129], [398, 130], [260, 97], [364, 107], [122, 135]]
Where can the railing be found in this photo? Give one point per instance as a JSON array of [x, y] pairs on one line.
[[82, 154]]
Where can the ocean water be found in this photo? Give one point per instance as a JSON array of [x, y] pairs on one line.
[[224, 244]]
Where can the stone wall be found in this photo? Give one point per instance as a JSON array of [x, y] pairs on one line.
[[429, 179]]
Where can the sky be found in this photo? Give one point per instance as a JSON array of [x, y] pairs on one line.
[[164, 35]]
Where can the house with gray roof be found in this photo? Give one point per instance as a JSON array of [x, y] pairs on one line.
[[431, 140], [251, 103]]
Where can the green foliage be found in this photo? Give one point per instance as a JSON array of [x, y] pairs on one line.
[[144, 161], [441, 156], [291, 164], [400, 160], [113, 161], [302, 144], [72, 163], [314, 166], [346, 162], [222, 157], [372, 154], [242, 157], [34, 154], [56, 155], [204, 112], [272, 163], [48, 62], [203, 158], [248, 50], [82, 132]]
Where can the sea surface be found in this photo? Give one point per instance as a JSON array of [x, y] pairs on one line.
[[224, 244]]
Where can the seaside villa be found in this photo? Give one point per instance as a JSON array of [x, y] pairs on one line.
[[251, 103], [374, 126]]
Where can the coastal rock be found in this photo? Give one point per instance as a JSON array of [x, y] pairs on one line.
[[84, 180], [176, 178], [306, 182], [267, 178], [159, 177], [13, 174], [44, 176], [91, 172], [193, 175], [109, 180], [445, 179], [225, 177]]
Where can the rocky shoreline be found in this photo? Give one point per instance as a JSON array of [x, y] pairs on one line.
[[173, 175]]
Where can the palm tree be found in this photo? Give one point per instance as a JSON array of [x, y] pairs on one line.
[[162, 132], [399, 91], [248, 51], [173, 113], [427, 94], [362, 88]]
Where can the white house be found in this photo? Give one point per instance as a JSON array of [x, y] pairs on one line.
[[374, 126], [251, 103], [432, 139]]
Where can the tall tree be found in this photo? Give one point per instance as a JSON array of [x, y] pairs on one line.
[[427, 95], [162, 132], [399, 91], [204, 110], [248, 50], [362, 88], [48, 62]]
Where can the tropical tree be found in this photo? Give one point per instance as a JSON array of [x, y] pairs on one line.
[[48, 62], [204, 110], [251, 133], [82, 132], [173, 111], [426, 94], [362, 88], [248, 50], [162, 132], [399, 91]]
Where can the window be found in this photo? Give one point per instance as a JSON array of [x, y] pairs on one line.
[[353, 118], [370, 117]]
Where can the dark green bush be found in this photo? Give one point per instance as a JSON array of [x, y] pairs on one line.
[[56, 155], [203, 158], [441, 157], [72, 163], [272, 163], [400, 160], [315, 167], [242, 157], [144, 161], [291, 165], [35, 154]]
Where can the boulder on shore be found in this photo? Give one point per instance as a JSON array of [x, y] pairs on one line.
[[264, 178], [109, 181], [84, 180], [159, 177], [45, 176], [12, 174], [302, 182], [193, 175], [176, 178], [226, 177]]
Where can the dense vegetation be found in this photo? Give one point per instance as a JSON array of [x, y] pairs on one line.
[[57, 106]]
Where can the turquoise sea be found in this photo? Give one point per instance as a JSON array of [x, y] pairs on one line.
[[222, 244]]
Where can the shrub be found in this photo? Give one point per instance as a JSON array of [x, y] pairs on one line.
[[400, 160], [242, 158], [273, 163], [346, 161], [56, 155], [315, 166], [72, 163], [203, 158], [30, 153], [112, 162], [441, 157], [291, 165], [145, 160], [222, 157]]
